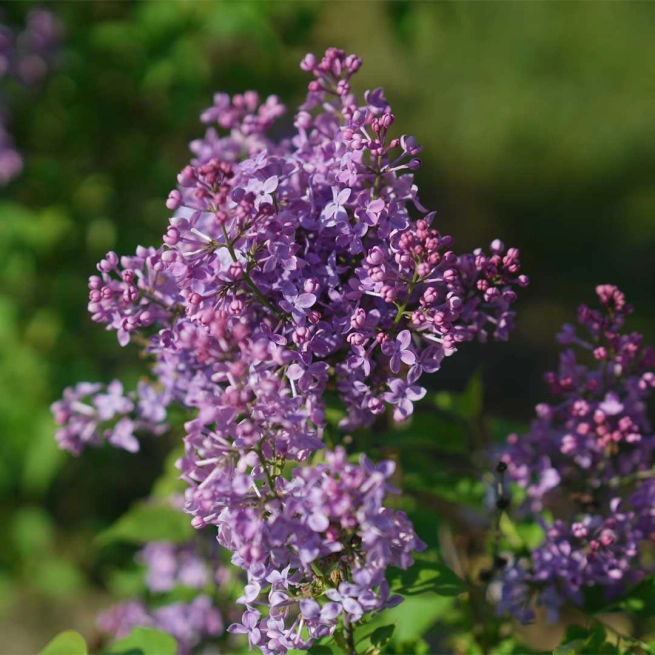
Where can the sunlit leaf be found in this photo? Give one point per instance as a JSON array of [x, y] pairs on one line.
[[149, 521], [66, 643], [145, 641], [429, 577]]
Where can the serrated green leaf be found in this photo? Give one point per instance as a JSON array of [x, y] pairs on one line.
[[145, 641], [66, 643]]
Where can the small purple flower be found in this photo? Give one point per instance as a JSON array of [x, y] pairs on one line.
[[399, 351], [309, 378], [335, 211], [403, 396], [264, 190], [249, 626], [296, 304], [122, 436]]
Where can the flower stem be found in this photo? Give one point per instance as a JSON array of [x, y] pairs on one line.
[[349, 634], [267, 473], [246, 277], [410, 290]]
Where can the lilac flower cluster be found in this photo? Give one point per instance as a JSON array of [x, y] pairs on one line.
[[589, 460], [25, 57], [288, 269], [92, 413], [167, 567], [190, 623], [324, 535]]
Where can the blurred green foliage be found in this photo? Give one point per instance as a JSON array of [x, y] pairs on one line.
[[536, 121]]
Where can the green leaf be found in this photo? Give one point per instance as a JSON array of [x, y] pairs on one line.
[[149, 521], [145, 641], [570, 648], [376, 639], [428, 430], [169, 483], [415, 616], [532, 534], [579, 641], [415, 646], [429, 577], [466, 405], [320, 649], [66, 643], [380, 636], [638, 601]]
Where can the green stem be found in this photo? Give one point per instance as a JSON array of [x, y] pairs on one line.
[[267, 473], [618, 481], [246, 277], [401, 309], [349, 635]]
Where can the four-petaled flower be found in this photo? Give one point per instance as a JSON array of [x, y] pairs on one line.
[[403, 396], [263, 190], [296, 303], [249, 626], [335, 211], [399, 351]]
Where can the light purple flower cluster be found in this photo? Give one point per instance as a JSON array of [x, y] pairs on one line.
[[169, 566], [92, 413], [25, 57], [288, 269], [324, 535], [190, 623], [589, 460]]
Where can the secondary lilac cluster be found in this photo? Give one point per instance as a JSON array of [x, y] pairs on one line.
[[324, 535], [290, 268], [190, 623], [168, 566], [589, 460], [92, 413], [25, 57]]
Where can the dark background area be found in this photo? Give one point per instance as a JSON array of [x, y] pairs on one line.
[[537, 126]]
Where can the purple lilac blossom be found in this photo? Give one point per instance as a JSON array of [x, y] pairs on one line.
[[588, 459], [255, 248], [169, 565], [90, 414], [190, 623], [316, 550], [288, 267]]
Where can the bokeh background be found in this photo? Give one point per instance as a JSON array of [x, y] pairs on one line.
[[537, 121]]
